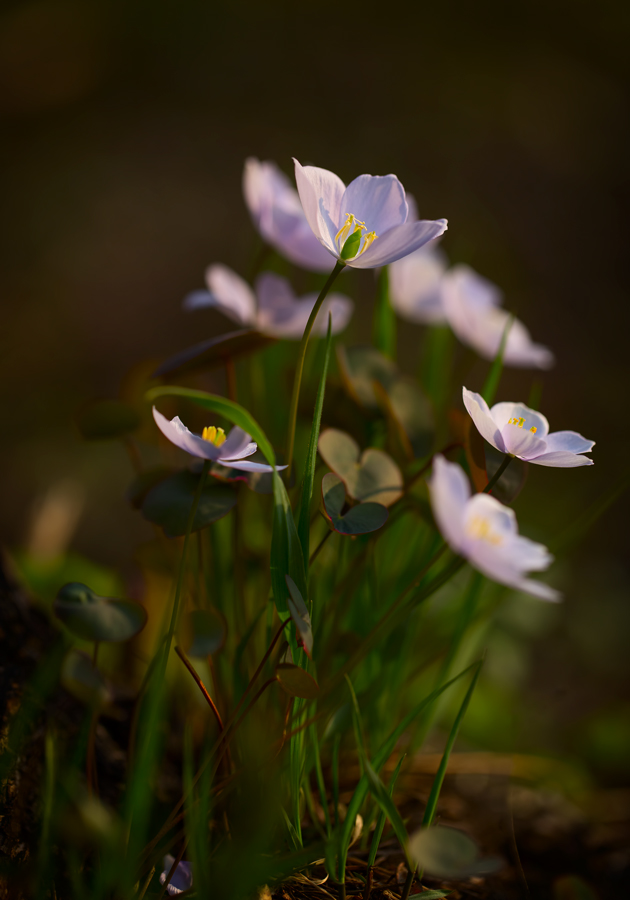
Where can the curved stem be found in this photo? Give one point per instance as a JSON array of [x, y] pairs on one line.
[[300, 362], [200, 685], [499, 472]]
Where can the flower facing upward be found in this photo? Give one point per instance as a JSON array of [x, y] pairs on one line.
[[213, 444], [277, 213], [471, 304], [272, 308], [365, 224], [485, 532], [520, 431]]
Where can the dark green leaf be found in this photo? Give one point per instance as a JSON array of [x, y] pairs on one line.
[[360, 519], [203, 632], [297, 682], [168, 504], [105, 420], [214, 352], [143, 482], [286, 550], [300, 615], [222, 407], [95, 618]]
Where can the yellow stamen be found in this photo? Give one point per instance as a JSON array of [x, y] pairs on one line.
[[479, 528], [345, 229], [368, 239], [518, 422], [214, 435], [533, 429]]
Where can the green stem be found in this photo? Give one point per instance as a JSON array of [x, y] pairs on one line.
[[182, 562], [300, 362], [499, 472]]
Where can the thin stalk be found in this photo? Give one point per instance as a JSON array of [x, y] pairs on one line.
[[499, 472], [258, 671], [300, 362], [201, 686], [315, 552]]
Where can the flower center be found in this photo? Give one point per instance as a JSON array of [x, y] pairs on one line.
[[519, 422], [480, 529], [350, 240], [214, 435]]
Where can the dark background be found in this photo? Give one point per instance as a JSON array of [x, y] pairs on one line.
[[124, 128]]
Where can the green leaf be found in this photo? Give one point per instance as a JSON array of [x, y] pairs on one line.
[[203, 632], [311, 456], [360, 519], [300, 615], [384, 321], [94, 618], [286, 549], [374, 476], [105, 420], [448, 853], [436, 787], [360, 367], [380, 825], [214, 353], [494, 375], [143, 482], [296, 681], [169, 503], [230, 410]]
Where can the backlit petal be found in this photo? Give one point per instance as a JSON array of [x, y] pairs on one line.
[[503, 412], [233, 295], [398, 242], [568, 440], [414, 284], [246, 466], [377, 200], [449, 491], [237, 444], [483, 419], [182, 437], [320, 192], [562, 459], [521, 442]]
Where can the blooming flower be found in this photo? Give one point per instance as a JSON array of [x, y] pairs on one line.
[[213, 444], [182, 876], [472, 309], [415, 283], [485, 532], [272, 308], [277, 213], [365, 224], [520, 431]]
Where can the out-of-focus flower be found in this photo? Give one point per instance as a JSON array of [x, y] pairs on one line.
[[272, 308], [213, 444], [182, 876], [415, 285], [277, 213], [365, 224], [520, 431], [485, 532], [471, 304]]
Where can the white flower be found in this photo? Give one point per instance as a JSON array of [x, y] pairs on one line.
[[272, 308], [365, 224], [182, 876], [472, 309], [213, 444], [520, 431], [485, 532], [415, 285], [277, 213]]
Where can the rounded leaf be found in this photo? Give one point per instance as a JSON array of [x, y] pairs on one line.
[[95, 618], [374, 476], [143, 482], [360, 367], [360, 519], [296, 681], [168, 504], [82, 680], [449, 853], [333, 494], [107, 419], [214, 352], [203, 632]]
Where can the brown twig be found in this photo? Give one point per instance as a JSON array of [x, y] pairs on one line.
[[201, 687]]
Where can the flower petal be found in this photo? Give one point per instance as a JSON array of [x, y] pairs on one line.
[[282, 315], [377, 200], [246, 466], [182, 437], [232, 294], [199, 300], [237, 444], [503, 412], [521, 442], [320, 192], [414, 284], [398, 242], [482, 417], [568, 440], [449, 491], [562, 459]]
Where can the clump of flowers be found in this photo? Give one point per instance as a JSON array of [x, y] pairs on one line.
[[321, 499]]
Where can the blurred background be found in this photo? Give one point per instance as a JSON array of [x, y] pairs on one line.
[[124, 131]]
